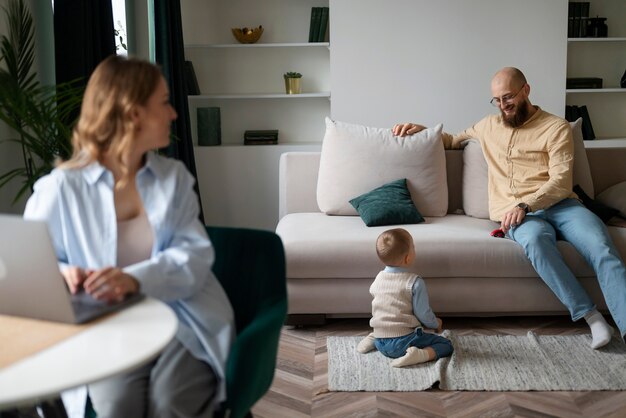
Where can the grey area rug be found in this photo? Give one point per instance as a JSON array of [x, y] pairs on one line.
[[485, 363]]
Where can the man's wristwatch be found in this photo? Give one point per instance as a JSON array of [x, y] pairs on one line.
[[523, 206]]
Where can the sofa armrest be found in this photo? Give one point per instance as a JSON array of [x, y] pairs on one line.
[[297, 182], [608, 166]]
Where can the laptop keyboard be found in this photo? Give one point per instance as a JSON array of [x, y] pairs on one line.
[[85, 300], [86, 307]]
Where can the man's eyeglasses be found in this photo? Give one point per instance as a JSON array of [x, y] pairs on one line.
[[499, 101]]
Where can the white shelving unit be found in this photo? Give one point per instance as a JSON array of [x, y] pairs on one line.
[[239, 184], [246, 80], [604, 58], [614, 39], [609, 90], [259, 96], [268, 45]]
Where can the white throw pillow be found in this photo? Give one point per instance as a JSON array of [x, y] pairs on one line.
[[356, 159], [615, 197], [475, 179], [582, 172]]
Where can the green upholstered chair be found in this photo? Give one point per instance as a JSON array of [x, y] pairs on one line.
[[250, 265]]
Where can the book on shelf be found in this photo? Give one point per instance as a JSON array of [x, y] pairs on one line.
[[572, 113], [259, 142], [318, 28], [314, 28], [323, 30], [261, 133], [260, 137], [570, 20], [191, 81], [209, 126], [588, 133], [583, 83], [577, 19]]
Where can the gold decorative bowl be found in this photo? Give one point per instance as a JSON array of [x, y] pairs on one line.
[[247, 35]]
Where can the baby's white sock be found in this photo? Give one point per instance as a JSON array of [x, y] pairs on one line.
[[601, 332], [366, 344], [413, 355]]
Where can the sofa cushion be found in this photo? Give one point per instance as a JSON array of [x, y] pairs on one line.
[[320, 246], [475, 193], [615, 197], [389, 204], [475, 176], [356, 159], [582, 172]]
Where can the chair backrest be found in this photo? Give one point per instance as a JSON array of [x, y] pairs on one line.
[[250, 265]]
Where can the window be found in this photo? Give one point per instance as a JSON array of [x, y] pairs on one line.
[[119, 26]]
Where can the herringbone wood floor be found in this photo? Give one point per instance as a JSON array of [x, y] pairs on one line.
[[300, 383]]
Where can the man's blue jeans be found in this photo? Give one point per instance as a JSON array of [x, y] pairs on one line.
[[571, 221]]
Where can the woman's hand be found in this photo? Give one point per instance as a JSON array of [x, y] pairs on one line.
[[110, 284], [75, 277], [403, 129]]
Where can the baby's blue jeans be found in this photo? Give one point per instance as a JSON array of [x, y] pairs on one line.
[[396, 347]]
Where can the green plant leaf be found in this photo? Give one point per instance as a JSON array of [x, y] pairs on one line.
[[41, 116]]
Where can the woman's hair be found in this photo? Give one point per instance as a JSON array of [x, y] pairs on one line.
[[393, 245], [116, 88]]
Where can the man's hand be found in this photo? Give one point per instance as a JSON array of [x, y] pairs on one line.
[[512, 218], [110, 284], [404, 129]]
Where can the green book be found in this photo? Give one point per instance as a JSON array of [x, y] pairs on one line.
[[209, 126], [316, 17], [311, 26], [261, 133], [321, 37]]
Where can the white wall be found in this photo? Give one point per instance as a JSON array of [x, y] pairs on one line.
[[432, 61]]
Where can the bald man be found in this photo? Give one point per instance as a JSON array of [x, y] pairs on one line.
[[530, 155]]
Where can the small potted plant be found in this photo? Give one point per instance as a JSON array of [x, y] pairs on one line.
[[292, 82]]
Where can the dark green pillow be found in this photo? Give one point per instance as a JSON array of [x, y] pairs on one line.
[[389, 204]]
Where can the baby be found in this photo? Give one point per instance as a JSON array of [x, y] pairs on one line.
[[400, 307]]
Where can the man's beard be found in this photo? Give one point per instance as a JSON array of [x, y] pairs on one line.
[[518, 118]]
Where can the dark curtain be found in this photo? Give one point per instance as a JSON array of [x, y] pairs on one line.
[[170, 54], [83, 36]]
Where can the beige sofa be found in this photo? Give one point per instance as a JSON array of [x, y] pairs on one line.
[[331, 260]]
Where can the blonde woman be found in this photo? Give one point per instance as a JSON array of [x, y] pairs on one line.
[[124, 219]]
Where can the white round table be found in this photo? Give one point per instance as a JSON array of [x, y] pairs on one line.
[[113, 345]]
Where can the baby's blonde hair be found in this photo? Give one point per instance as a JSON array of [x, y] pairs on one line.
[[393, 245]]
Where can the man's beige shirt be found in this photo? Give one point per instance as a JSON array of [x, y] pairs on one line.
[[530, 164]]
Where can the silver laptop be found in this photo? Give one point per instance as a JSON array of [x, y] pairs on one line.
[[31, 284]]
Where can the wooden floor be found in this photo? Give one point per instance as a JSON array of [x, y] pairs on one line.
[[300, 383]]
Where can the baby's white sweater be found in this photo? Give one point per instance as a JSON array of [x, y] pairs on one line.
[[392, 307]]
